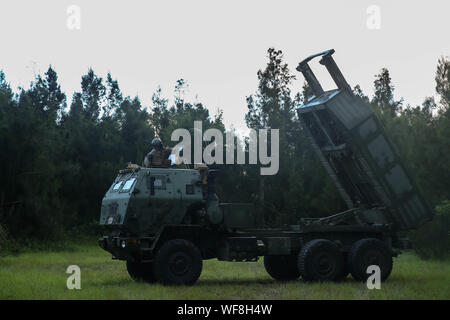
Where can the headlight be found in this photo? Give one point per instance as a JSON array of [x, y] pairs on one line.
[[123, 244]]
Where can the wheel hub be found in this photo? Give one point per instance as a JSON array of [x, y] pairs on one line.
[[372, 257], [179, 263], [324, 264]]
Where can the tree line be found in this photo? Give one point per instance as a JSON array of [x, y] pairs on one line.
[[58, 159]]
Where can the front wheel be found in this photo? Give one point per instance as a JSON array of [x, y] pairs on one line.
[[141, 271], [282, 268], [178, 262]]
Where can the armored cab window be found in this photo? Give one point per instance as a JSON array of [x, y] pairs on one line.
[[117, 186], [128, 184]]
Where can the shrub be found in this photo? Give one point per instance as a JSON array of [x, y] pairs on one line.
[[3, 239], [432, 241]]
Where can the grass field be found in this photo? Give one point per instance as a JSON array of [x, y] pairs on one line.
[[41, 275]]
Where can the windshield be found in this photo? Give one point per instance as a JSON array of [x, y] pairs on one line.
[[117, 186], [128, 184]]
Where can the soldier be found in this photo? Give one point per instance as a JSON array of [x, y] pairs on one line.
[[158, 157]]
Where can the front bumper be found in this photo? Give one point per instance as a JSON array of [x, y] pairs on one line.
[[126, 248]]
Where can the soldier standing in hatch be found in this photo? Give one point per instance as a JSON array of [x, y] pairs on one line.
[[158, 157]]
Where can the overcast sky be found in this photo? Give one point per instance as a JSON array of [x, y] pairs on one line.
[[218, 46]]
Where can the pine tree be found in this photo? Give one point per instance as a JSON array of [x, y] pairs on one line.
[[384, 94], [92, 95]]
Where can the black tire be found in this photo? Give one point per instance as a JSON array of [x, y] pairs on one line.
[[366, 252], [320, 260], [141, 271], [282, 268], [178, 262]]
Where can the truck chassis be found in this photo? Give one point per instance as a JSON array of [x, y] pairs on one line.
[[164, 231]]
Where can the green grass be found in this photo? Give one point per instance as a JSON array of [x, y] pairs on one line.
[[41, 275]]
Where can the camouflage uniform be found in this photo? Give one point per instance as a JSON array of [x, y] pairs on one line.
[[158, 157]]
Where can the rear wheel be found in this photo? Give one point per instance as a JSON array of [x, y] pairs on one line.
[[141, 271], [282, 268], [320, 260], [178, 262], [367, 252]]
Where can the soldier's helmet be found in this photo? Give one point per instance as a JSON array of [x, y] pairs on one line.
[[157, 143]]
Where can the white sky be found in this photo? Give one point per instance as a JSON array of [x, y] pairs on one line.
[[218, 46]]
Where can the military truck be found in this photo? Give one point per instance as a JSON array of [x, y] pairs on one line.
[[165, 221]]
